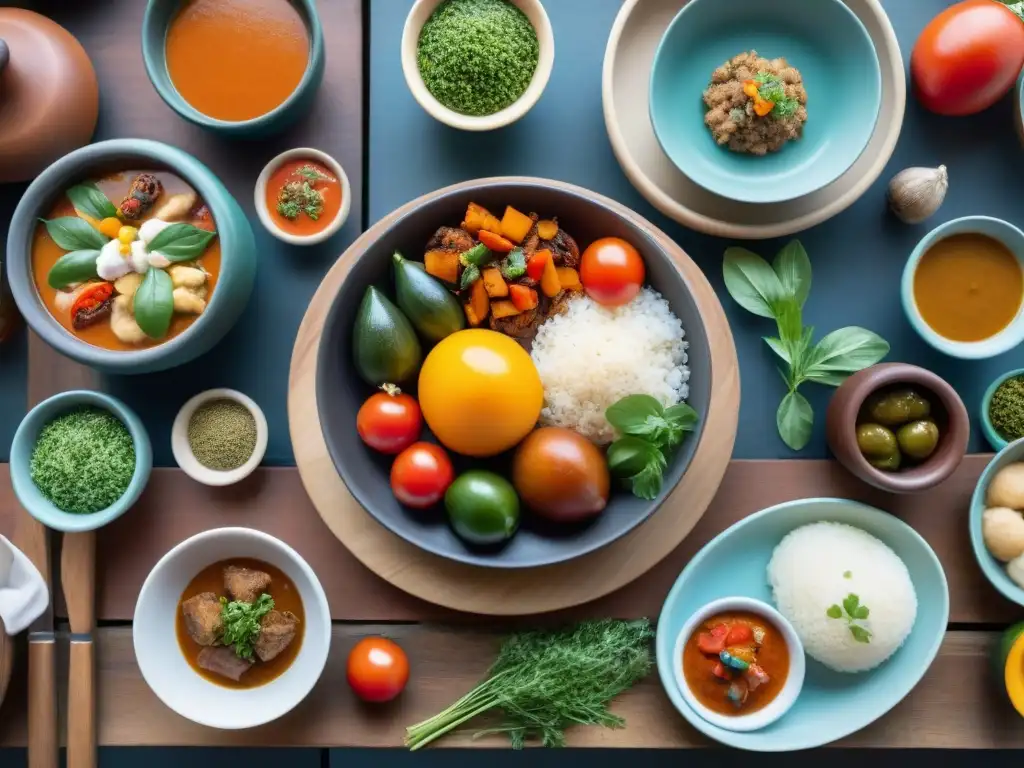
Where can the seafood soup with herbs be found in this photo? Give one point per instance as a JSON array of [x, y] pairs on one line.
[[127, 261]]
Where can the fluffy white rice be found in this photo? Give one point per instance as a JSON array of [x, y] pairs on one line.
[[818, 566], [590, 357]]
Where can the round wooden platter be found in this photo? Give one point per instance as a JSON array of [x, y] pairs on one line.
[[502, 591]]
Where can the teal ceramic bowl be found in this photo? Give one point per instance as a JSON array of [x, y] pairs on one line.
[[158, 17], [823, 39], [996, 440], [25, 440], [1006, 339], [238, 254], [994, 570], [831, 705]]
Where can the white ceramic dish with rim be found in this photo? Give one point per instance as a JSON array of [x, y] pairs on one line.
[[785, 698], [183, 452], [414, 22], [628, 58], [164, 667], [1008, 338], [260, 195]]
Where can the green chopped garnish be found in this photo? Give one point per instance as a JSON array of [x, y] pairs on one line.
[[298, 197], [242, 623], [771, 88], [313, 173], [852, 612]]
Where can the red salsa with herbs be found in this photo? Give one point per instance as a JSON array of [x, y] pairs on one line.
[[303, 197], [735, 663]]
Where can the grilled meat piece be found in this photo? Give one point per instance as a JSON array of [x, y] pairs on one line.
[[562, 246], [222, 660], [202, 618], [87, 316], [521, 326], [144, 191], [277, 630], [244, 584], [451, 239]]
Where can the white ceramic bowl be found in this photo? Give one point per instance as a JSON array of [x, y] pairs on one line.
[[163, 665], [183, 451], [790, 689], [260, 196], [414, 22]]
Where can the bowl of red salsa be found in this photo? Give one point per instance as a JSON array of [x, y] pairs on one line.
[[303, 196], [739, 663]]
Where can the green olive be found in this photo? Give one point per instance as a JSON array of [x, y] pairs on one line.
[[876, 441], [898, 407], [918, 438], [888, 463]]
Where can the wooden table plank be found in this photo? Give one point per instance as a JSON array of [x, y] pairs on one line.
[[956, 706]]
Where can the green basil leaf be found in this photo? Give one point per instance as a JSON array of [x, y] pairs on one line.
[[794, 420], [154, 303], [780, 349], [74, 234], [73, 267], [631, 413], [629, 456], [752, 282], [682, 415], [847, 349], [88, 199], [647, 483], [828, 378], [181, 242], [794, 270], [789, 320]]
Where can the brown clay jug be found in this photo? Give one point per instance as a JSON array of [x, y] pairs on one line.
[[49, 97]]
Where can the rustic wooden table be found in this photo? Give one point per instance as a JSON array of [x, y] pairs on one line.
[[957, 705]]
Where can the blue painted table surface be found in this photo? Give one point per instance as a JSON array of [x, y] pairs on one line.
[[857, 257]]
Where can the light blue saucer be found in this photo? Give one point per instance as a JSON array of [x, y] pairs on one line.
[[831, 705]]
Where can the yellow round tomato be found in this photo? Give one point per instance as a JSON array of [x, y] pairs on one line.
[[480, 392]]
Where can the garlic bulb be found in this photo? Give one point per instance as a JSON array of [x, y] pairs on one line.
[[916, 193]]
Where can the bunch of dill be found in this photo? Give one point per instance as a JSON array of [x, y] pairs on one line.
[[543, 682]]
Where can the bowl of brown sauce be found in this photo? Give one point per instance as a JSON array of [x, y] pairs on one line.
[[232, 628], [739, 663], [963, 287]]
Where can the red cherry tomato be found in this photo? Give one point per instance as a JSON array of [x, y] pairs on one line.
[[611, 271], [389, 421], [377, 669], [968, 57], [421, 474]]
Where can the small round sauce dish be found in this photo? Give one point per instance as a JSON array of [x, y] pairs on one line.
[[739, 664], [219, 437], [303, 196], [963, 287], [998, 412]]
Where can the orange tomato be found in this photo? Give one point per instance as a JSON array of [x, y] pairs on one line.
[[611, 271], [377, 669], [480, 392]]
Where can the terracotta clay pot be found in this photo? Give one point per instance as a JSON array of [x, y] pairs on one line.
[[49, 97], [947, 410]]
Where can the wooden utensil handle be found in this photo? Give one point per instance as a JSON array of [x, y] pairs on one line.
[[43, 746], [82, 705]]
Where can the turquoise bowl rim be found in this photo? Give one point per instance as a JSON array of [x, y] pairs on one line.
[[994, 571], [24, 441], [769, 198], [997, 441], [666, 671], [1006, 339], [156, 70]]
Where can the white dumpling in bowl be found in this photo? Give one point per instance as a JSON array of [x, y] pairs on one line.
[[1002, 529], [1007, 487]]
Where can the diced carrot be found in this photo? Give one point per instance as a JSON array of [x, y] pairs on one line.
[[535, 264], [515, 225], [444, 265], [739, 634], [547, 229], [496, 243], [720, 671], [709, 644], [569, 278], [504, 308], [478, 305], [494, 283], [549, 282], [523, 297], [478, 217]]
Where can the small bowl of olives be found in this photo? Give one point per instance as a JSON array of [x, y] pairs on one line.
[[898, 427]]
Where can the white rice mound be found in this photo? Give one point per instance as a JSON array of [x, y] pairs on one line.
[[817, 566], [590, 356]]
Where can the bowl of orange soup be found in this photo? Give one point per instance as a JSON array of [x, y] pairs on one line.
[[238, 67], [303, 196], [963, 287], [130, 256]]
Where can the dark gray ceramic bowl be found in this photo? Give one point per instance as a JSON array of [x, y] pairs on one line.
[[340, 391], [238, 254]]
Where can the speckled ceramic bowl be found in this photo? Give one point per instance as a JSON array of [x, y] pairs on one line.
[[160, 13], [238, 254]]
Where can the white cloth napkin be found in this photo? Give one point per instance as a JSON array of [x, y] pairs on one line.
[[23, 592]]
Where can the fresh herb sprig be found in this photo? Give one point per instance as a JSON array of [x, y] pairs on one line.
[[313, 173], [650, 434], [778, 291], [771, 88], [852, 612], [242, 623]]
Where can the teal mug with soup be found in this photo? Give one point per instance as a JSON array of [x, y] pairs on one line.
[[243, 68]]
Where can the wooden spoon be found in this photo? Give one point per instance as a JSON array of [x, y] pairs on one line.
[[78, 578]]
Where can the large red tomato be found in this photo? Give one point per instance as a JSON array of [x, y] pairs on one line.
[[612, 271], [968, 57]]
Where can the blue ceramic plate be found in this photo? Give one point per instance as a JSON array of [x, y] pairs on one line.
[[994, 570], [822, 38], [831, 705]]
